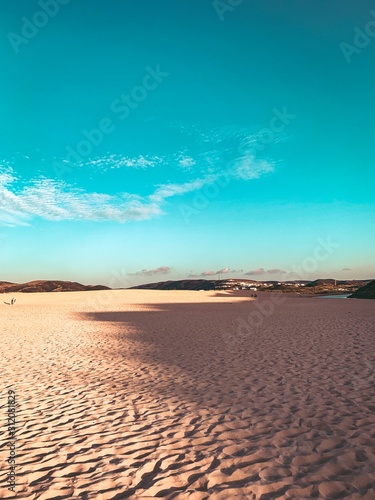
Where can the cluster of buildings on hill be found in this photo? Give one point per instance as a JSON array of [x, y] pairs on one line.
[[233, 284], [300, 286]]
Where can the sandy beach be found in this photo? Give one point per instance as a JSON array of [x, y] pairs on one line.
[[201, 395]]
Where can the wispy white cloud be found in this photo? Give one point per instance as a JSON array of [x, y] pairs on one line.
[[50, 199], [54, 200], [260, 271], [168, 190], [186, 162], [256, 272], [150, 272], [6, 177], [206, 151], [276, 271], [115, 161], [225, 270], [247, 167], [229, 149]]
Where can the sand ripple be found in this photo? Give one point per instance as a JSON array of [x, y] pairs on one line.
[[157, 394]]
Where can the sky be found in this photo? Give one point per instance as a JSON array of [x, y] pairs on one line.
[[150, 140]]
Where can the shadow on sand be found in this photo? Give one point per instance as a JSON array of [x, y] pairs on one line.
[[191, 350]]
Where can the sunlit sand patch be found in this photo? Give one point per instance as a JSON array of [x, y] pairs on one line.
[[152, 394]]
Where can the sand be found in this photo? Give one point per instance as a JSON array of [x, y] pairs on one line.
[[144, 394]]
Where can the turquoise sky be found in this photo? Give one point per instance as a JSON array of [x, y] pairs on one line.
[[149, 140]]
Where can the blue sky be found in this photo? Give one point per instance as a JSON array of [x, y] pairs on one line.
[[151, 140]]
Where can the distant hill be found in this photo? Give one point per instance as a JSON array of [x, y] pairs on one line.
[[48, 286], [182, 285], [318, 286], [198, 284], [321, 282], [332, 282], [202, 284], [365, 292]]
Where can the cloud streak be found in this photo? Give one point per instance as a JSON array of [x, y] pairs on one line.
[[261, 271], [151, 272], [256, 272], [55, 201], [21, 201], [225, 270], [115, 161]]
